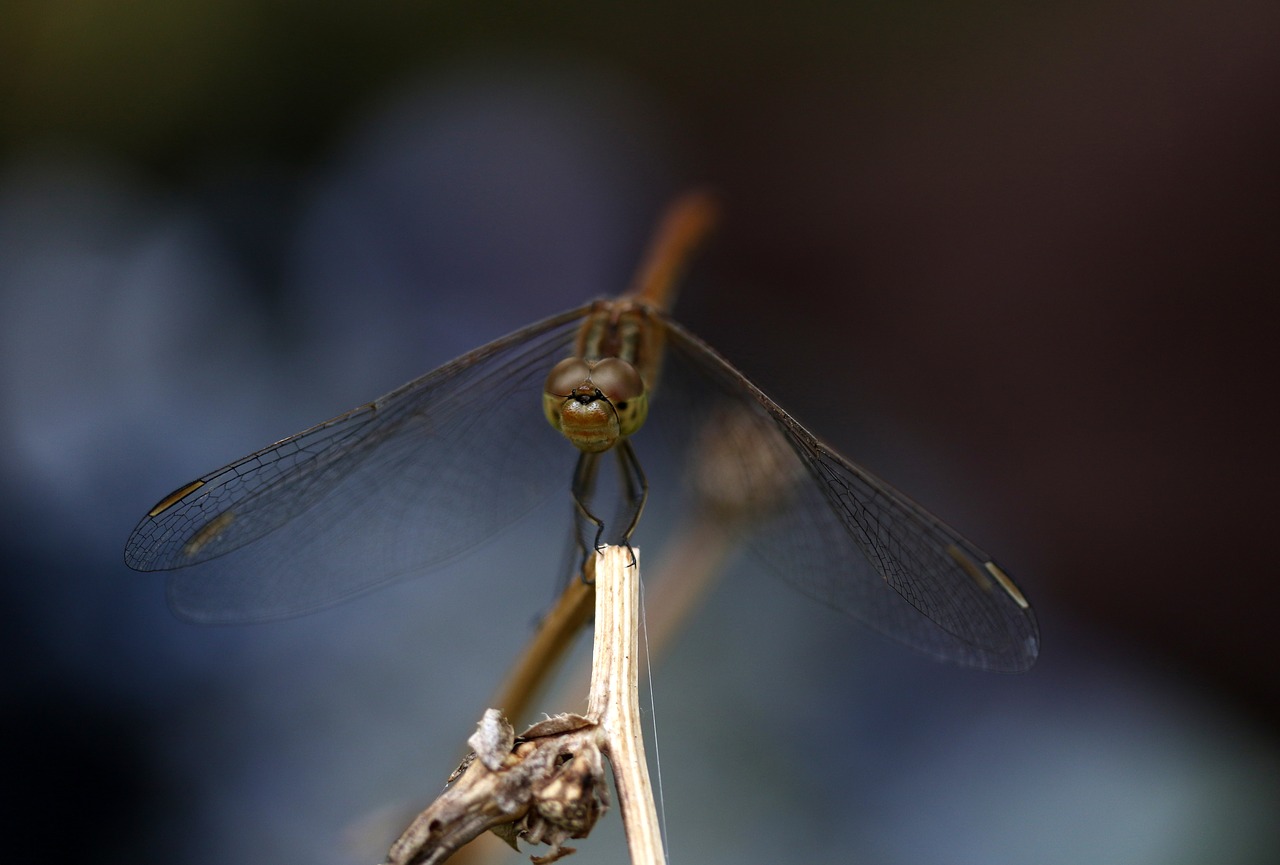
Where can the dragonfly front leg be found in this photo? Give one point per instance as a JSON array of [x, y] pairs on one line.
[[584, 479], [635, 489], [636, 486]]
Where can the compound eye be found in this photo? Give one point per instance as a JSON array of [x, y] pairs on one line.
[[567, 375], [617, 380]]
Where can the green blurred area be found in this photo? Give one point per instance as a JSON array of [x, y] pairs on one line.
[[159, 82]]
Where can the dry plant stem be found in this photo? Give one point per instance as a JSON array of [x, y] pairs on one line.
[[614, 701], [547, 785], [689, 568]]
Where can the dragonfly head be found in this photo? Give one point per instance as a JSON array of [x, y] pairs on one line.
[[594, 403]]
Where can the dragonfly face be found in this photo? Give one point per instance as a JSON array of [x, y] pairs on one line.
[[601, 395], [594, 403]]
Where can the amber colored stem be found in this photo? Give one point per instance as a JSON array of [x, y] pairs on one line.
[[685, 225], [543, 654]]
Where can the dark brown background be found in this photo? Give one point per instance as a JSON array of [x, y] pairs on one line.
[[1039, 241]]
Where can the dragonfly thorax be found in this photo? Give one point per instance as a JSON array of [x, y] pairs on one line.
[[595, 403]]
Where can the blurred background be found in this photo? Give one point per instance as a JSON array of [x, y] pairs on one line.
[[1018, 259]]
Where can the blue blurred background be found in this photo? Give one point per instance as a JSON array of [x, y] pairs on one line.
[[1019, 259]]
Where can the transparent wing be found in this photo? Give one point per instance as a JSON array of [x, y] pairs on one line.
[[851, 541], [388, 489]]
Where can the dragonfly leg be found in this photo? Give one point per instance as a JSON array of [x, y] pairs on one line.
[[584, 478], [636, 486]]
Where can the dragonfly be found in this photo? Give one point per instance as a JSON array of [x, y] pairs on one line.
[[433, 469]]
